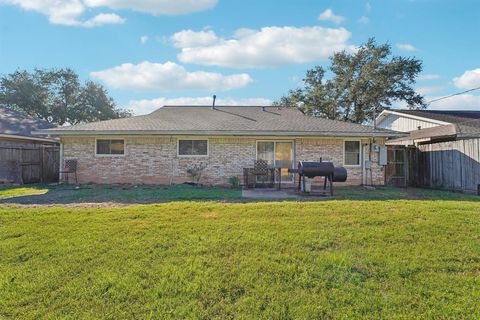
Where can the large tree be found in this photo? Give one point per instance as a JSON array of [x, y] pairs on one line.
[[57, 96], [361, 84]]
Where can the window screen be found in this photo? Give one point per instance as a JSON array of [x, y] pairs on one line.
[[106, 147], [352, 153], [192, 147]]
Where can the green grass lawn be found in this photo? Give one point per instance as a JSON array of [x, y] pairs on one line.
[[274, 260], [9, 192]]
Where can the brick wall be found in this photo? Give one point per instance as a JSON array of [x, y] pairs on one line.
[[154, 160], [332, 150]]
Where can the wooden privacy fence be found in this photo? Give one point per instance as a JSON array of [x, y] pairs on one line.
[[452, 165], [29, 165]]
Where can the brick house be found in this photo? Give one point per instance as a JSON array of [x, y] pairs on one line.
[[158, 148]]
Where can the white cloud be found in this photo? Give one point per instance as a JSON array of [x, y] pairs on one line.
[[406, 47], [70, 12], [469, 79], [103, 18], [190, 38], [163, 7], [364, 19], [269, 46], [145, 106], [429, 89], [427, 77], [461, 102], [328, 15], [58, 12], [143, 39], [167, 76]]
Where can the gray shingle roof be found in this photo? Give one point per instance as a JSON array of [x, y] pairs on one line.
[[16, 123], [222, 120], [450, 116]]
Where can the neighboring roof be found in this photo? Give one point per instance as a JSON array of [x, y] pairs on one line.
[[17, 125], [467, 129], [204, 120], [438, 116]]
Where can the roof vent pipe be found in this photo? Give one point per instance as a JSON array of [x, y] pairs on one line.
[[213, 104]]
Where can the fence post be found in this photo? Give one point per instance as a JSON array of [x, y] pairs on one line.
[[42, 151]]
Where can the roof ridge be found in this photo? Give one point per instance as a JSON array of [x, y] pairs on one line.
[[220, 106], [435, 111], [22, 114]]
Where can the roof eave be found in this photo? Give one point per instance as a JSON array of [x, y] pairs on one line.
[[412, 141], [55, 132], [29, 138]]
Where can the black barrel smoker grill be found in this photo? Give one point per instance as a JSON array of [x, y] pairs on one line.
[[312, 169]]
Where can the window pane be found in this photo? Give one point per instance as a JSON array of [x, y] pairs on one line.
[[283, 154], [103, 146], [200, 147], [352, 158], [265, 151], [117, 146], [185, 147], [352, 153], [352, 146]]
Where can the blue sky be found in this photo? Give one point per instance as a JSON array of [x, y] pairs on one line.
[[154, 52]]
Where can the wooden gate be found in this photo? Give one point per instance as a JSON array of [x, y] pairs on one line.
[[29, 165], [396, 170]]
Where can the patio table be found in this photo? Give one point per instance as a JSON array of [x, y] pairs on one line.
[[278, 172]]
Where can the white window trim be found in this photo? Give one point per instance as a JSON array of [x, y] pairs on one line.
[[111, 155], [359, 153], [193, 155]]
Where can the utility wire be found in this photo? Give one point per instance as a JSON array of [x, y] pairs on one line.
[[452, 95]]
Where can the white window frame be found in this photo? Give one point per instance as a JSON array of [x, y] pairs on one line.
[[193, 155], [360, 156], [111, 155]]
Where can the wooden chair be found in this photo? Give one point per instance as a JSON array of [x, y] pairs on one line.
[[70, 167]]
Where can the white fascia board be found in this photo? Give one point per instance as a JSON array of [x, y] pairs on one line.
[[385, 113]]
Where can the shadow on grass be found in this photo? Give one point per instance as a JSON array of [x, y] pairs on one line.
[[72, 194], [122, 194]]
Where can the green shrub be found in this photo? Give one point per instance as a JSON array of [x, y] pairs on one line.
[[234, 182]]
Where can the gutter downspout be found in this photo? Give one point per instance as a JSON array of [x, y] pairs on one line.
[[364, 165], [60, 165]]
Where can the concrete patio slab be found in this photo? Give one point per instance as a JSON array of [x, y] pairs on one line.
[[268, 194], [275, 194]]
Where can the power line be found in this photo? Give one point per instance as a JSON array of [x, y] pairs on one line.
[[452, 95]]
